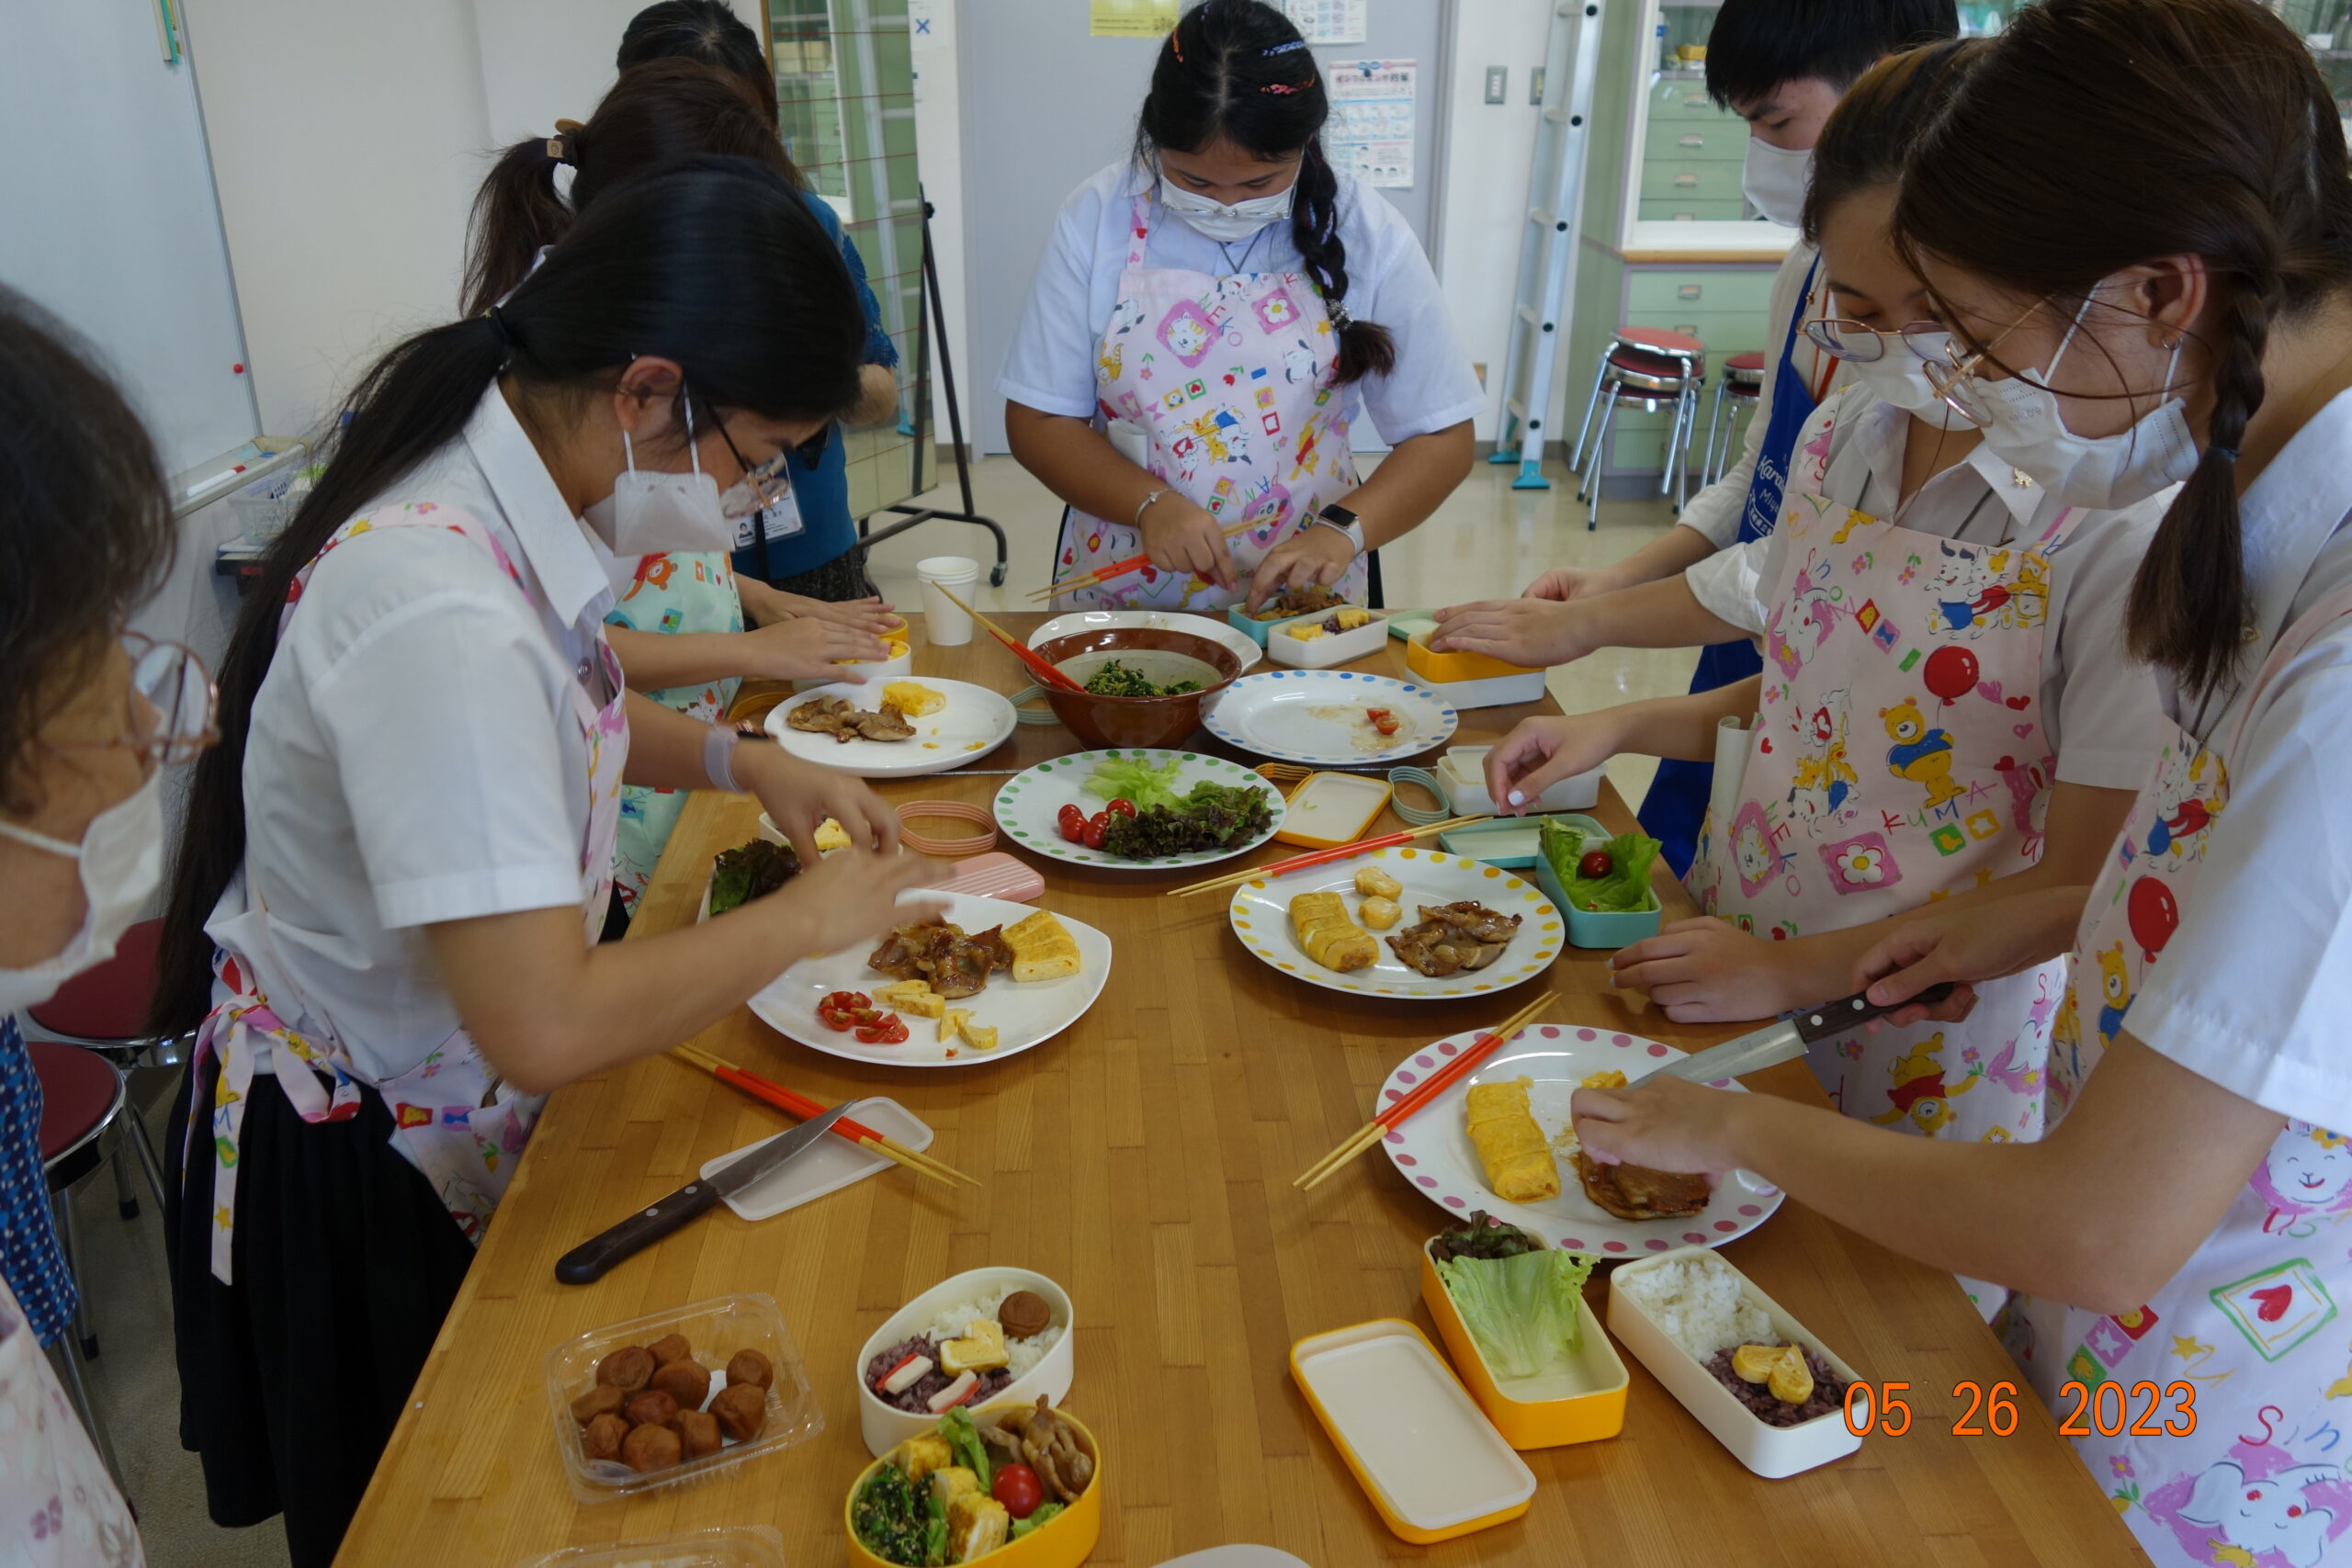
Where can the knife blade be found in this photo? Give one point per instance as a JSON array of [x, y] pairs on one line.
[[1785, 1040], [596, 1257]]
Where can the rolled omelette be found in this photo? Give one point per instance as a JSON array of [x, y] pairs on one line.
[[1510, 1143]]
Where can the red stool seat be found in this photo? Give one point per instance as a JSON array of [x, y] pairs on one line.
[[1646, 365], [111, 1002], [77, 1094], [1752, 360], [1660, 340]]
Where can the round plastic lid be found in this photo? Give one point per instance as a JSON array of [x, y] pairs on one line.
[[1236, 1557]]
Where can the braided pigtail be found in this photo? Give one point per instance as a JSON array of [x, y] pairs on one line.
[[1366, 347]]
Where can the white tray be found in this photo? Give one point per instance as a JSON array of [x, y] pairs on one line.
[[830, 1165]]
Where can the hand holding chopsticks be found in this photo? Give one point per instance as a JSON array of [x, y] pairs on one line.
[[1102, 574], [1437, 1083], [800, 1105], [1300, 863]]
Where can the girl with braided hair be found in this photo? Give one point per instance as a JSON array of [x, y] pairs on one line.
[[1207, 321]]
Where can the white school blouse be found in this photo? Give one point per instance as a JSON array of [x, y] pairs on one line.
[[414, 755], [2254, 992], [2101, 706], [1050, 364]]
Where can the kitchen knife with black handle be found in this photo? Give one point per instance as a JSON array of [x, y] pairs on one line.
[[1785, 1040]]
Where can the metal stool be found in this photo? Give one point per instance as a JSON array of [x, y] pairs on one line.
[[1743, 383], [105, 1009], [1647, 366]]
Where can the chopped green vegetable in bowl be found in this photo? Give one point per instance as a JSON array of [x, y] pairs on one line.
[[1522, 1309], [1115, 679], [750, 870], [1624, 888]]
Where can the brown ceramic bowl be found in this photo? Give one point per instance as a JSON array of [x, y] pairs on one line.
[[1162, 657]]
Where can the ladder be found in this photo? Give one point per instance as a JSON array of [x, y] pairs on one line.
[[1547, 254]]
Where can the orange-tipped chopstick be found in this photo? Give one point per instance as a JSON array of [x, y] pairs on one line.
[[1437, 1083], [1038, 666], [1300, 863], [1102, 574], [800, 1105]]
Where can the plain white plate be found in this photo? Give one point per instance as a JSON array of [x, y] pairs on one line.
[[1214, 627], [1315, 718], [1432, 1149], [1259, 914], [975, 722], [828, 1166], [1028, 805], [1023, 1016]]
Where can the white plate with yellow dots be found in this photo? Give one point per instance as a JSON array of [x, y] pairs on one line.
[[1261, 917]]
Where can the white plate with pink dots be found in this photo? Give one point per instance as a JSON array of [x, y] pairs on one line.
[[1432, 1149]]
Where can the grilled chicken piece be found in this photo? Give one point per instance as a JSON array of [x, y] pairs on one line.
[[888, 724], [837, 718], [956, 964], [1637, 1192], [1455, 937]]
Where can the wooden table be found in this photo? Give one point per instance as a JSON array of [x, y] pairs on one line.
[[1144, 1159]]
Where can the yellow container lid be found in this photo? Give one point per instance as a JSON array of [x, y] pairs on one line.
[[1450, 667]]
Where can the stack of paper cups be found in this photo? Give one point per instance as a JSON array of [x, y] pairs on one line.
[[944, 622], [1731, 770]]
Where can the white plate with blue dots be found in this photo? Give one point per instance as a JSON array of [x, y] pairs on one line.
[[1330, 718]]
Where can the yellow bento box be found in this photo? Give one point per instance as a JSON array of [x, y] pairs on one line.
[[1584, 1405], [1066, 1542]]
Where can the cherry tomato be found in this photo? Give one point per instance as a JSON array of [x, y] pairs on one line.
[[1073, 822], [1016, 1487], [886, 1028], [1122, 808], [845, 1010], [1098, 828], [1595, 864]]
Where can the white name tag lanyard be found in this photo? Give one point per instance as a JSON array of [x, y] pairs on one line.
[[781, 521]]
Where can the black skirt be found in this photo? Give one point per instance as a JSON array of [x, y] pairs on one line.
[[345, 1263]]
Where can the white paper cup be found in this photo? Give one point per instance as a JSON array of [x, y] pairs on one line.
[[944, 625]]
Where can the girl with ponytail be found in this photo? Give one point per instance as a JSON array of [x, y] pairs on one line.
[[2135, 220], [1210, 317], [396, 860]]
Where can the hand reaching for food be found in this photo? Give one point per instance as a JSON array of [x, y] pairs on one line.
[[851, 898], [1663, 1122], [798, 796], [1180, 537], [1540, 752]]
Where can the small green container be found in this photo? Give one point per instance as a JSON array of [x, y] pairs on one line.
[[1609, 929]]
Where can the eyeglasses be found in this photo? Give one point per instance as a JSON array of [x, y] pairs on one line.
[[1955, 378], [1848, 339], [765, 485], [173, 708]]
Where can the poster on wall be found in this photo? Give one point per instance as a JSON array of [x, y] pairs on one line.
[[1131, 18], [1328, 21], [1371, 129]]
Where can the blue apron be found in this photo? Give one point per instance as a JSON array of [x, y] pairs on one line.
[[1677, 802]]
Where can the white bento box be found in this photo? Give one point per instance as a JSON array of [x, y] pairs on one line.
[[1331, 648]]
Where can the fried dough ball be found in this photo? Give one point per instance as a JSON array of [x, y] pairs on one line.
[[629, 1370], [742, 1409]]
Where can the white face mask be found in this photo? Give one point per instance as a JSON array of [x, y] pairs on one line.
[[121, 855], [1220, 221], [1775, 178], [2026, 430], [1897, 375], [652, 513]]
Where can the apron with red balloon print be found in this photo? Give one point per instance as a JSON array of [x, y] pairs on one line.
[[1897, 757], [2218, 1416]]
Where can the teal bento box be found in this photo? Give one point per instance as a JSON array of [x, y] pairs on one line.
[[1609, 929]]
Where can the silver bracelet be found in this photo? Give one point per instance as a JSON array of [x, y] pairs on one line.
[[1155, 495], [719, 758]]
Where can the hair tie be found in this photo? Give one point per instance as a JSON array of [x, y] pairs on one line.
[[1285, 89], [1176, 40], [498, 323], [1283, 48], [1342, 319], [559, 144], [2227, 454]]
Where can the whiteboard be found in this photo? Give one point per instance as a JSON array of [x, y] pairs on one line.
[[111, 223]]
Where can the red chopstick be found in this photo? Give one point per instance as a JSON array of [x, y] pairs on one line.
[[800, 1105], [1320, 857]]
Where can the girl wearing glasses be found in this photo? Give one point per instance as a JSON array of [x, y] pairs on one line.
[[1945, 715], [678, 623], [2137, 223], [382, 925]]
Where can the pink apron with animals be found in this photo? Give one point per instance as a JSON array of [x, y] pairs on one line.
[[454, 1119], [2243, 1355], [1898, 756], [1231, 377]]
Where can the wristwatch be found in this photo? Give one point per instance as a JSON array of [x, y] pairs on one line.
[[1340, 519]]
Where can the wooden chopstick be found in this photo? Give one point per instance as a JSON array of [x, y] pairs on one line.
[[1430, 1089], [1102, 574], [800, 1105], [1037, 666], [1320, 857]]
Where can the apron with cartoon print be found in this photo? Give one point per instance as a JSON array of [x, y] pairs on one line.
[[2246, 1354], [1898, 756], [453, 1118], [1230, 378], [675, 594]]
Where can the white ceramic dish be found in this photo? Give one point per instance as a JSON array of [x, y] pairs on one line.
[[829, 1166], [1023, 1016], [1259, 913], [1235, 1557], [975, 722], [1213, 627], [754, 1545], [885, 1426], [1317, 717], [1029, 804], [1463, 771], [1432, 1149], [1408, 1430], [1769, 1451], [1331, 648]]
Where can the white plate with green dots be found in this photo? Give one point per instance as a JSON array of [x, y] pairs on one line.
[[1028, 808]]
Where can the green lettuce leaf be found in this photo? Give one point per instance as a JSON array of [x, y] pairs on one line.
[[1045, 1514], [963, 1441], [1130, 778], [1561, 845], [1522, 1310], [1627, 886]]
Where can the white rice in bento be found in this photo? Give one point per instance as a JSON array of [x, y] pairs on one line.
[[1702, 1304], [1021, 1356]]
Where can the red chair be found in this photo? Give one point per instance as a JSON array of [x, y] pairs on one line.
[[1743, 383], [82, 1095], [1648, 366], [105, 1009]]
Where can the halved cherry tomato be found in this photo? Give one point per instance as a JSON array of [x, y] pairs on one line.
[[1072, 823], [845, 1010], [886, 1028], [1098, 828], [1122, 807], [1381, 720]]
